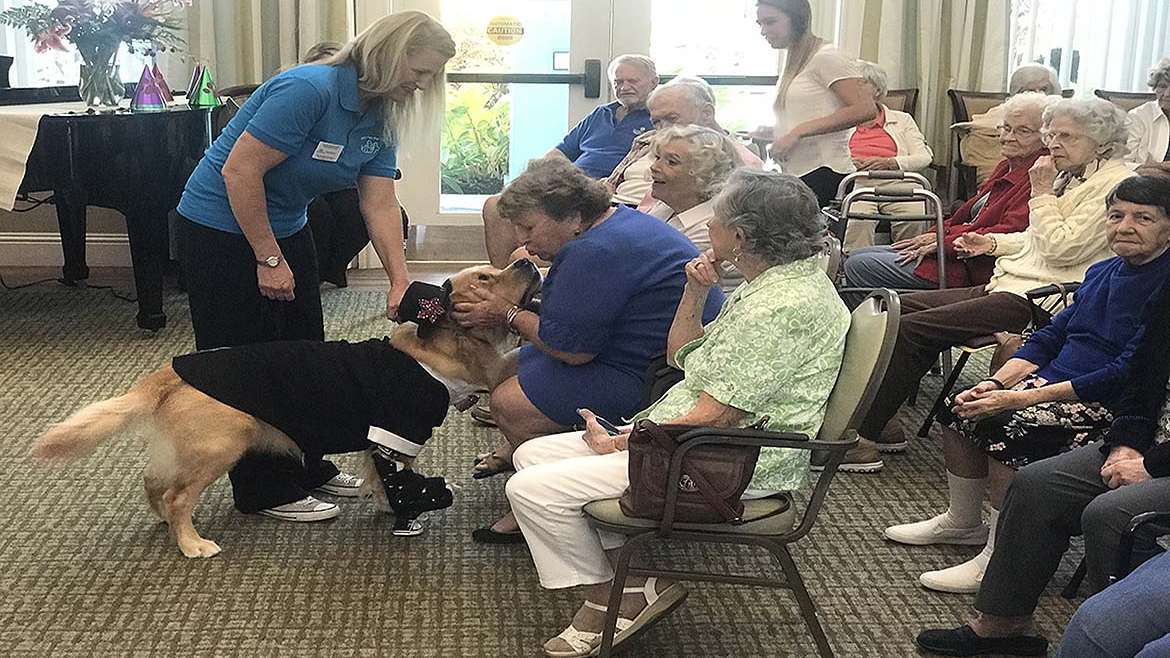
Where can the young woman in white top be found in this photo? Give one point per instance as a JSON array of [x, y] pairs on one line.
[[821, 96]]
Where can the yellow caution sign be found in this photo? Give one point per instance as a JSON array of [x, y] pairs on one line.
[[505, 30]]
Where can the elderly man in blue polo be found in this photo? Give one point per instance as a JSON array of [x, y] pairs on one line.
[[596, 145]]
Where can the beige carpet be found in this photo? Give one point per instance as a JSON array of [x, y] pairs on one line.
[[86, 570]]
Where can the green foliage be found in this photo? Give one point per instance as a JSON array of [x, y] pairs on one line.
[[475, 139]]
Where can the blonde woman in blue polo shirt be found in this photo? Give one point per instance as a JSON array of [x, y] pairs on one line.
[[247, 254]]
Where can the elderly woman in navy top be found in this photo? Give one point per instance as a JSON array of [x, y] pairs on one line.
[[608, 302], [247, 255]]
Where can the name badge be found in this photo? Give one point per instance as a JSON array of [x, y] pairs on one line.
[[328, 152]]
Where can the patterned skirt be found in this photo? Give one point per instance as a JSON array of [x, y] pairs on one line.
[[1018, 438]]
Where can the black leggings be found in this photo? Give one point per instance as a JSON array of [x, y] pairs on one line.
[[227, 309], [823, 182]]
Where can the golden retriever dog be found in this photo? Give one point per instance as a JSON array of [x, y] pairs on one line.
[[193, 439]]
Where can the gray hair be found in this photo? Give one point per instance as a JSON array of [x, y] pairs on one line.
[[712, 155], [698, 91], [1103, 122], [778, 214], [1027, 75], [1160, 73], [1030, 102], [641, 61], [875, 76]]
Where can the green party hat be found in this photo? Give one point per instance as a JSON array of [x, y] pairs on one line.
[[205, 95]]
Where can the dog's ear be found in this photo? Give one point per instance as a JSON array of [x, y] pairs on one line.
[[425, 305]]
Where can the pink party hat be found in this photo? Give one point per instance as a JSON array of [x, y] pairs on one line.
[[147, 97], [163, 87]]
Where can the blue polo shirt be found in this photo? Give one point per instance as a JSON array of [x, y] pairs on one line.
[[313, 115], [599, 142]]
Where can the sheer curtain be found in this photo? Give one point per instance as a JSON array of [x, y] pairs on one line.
[[1094, 44], [246, 41]]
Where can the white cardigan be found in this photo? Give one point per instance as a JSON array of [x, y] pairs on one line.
[[914, 153], [1065, 235], [1149, 133]]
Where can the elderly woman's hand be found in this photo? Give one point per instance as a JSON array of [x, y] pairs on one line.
[[876, 164], [595, 436], [486, 310], [1128, 471], [914, 242], [970, 245], [1043, 176], [782, 145], [703, 271], [915, 254], [988, 403]]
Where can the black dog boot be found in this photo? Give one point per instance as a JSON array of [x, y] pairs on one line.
[[410, 494]]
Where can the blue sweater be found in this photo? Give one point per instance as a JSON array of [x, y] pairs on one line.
[[1090, 343]]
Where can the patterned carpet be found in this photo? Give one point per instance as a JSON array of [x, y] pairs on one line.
[[87, 571]]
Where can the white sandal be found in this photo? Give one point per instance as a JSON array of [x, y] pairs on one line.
[[658, 605]]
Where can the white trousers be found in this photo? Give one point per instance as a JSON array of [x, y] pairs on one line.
[[556, 476]]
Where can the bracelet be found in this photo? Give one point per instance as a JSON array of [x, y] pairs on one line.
[[995, 381], [994, 245], [511, 317]]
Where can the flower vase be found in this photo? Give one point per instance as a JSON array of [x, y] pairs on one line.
[[100, 86]]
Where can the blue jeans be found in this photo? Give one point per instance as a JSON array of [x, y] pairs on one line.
[[1128, 619], [878, 267]]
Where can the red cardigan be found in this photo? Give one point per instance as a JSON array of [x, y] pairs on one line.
[[1006, 211]]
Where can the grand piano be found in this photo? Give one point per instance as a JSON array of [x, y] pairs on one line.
[[135, 163]]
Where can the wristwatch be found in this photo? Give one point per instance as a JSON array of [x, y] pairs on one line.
[[271, 261]]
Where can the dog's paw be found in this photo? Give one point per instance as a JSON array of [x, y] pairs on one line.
[[200, 548]]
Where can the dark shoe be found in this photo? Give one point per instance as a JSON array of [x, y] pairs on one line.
[[410, 493], [963, 641], [861, 458], [489, 536]]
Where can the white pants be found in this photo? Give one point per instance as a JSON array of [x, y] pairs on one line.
[[556, 476]]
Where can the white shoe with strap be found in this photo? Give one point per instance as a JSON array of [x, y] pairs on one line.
[[658, 605]]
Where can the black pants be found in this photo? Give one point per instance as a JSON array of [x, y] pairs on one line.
[[227, 309], [339, 232], [824, 183]]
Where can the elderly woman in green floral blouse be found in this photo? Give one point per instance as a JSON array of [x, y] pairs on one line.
[[773, 351]]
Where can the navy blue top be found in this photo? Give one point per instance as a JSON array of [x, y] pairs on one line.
[[599, 142], [313, 115], [1090, 343]]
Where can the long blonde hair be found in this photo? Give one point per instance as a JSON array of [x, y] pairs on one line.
[[804, 45], [380, 51]]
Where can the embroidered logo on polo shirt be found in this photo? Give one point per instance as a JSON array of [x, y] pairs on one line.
[[371, 145]]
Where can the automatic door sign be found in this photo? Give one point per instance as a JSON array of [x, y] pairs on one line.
[[505, 30]]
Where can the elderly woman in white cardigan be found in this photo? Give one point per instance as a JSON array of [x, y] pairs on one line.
[[1149, 124], [891, 142], [1066, 234]]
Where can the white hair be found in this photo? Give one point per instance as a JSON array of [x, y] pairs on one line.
[[1160, 73], [1028, 74], [641, 61], [1030, 102], [1103, 122], [875, 76], [697, 90]]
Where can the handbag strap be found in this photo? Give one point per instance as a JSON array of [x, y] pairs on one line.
[[707, 491]]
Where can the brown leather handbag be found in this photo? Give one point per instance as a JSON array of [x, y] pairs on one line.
[[713, 478]]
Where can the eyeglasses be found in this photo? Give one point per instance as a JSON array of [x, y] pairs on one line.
[[1064, 138], [1018, 132]]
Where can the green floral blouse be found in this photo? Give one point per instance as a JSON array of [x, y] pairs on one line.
[[774, 350]]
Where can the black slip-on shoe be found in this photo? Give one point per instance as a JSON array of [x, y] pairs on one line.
[[963, 641]]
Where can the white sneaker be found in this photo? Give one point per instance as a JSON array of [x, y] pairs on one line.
[[964, 578], [938, 530], [343, 484], [304, 510]]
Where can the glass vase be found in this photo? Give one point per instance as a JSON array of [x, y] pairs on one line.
[[100, 85]]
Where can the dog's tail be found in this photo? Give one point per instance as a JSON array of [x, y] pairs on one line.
[[81, 433]]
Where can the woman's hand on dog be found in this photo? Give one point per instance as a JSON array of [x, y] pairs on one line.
[[394, 298], [487, 309]]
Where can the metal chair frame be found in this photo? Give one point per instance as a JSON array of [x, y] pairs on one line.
[[777, 545]]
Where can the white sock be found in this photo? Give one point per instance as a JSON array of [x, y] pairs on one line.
[[966, 500], [991, 522]]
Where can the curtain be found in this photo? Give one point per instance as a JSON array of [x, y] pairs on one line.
[[933, 45], [247, 41]]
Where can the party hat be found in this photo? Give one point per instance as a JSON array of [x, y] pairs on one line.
[[205, 95], [163, 87], [193, 85], [147, 97]]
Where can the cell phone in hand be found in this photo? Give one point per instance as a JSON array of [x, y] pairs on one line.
[[609, 427]]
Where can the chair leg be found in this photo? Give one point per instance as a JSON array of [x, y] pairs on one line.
[[621, 569], [1074, 583], [949, 384], [808, 610]]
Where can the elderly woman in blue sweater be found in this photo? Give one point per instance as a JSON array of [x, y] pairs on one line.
[[1052, 395]]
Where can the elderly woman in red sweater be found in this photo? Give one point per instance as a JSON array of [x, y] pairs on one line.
[[1000, 206]]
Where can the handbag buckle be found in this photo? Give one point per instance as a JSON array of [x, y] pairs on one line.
[[686, 484]]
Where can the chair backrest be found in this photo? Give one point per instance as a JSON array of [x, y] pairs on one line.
[[966, 104], [873, 328], [1126, 100], [903, 100]]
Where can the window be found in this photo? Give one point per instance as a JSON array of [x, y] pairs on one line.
[[1093, 44]]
